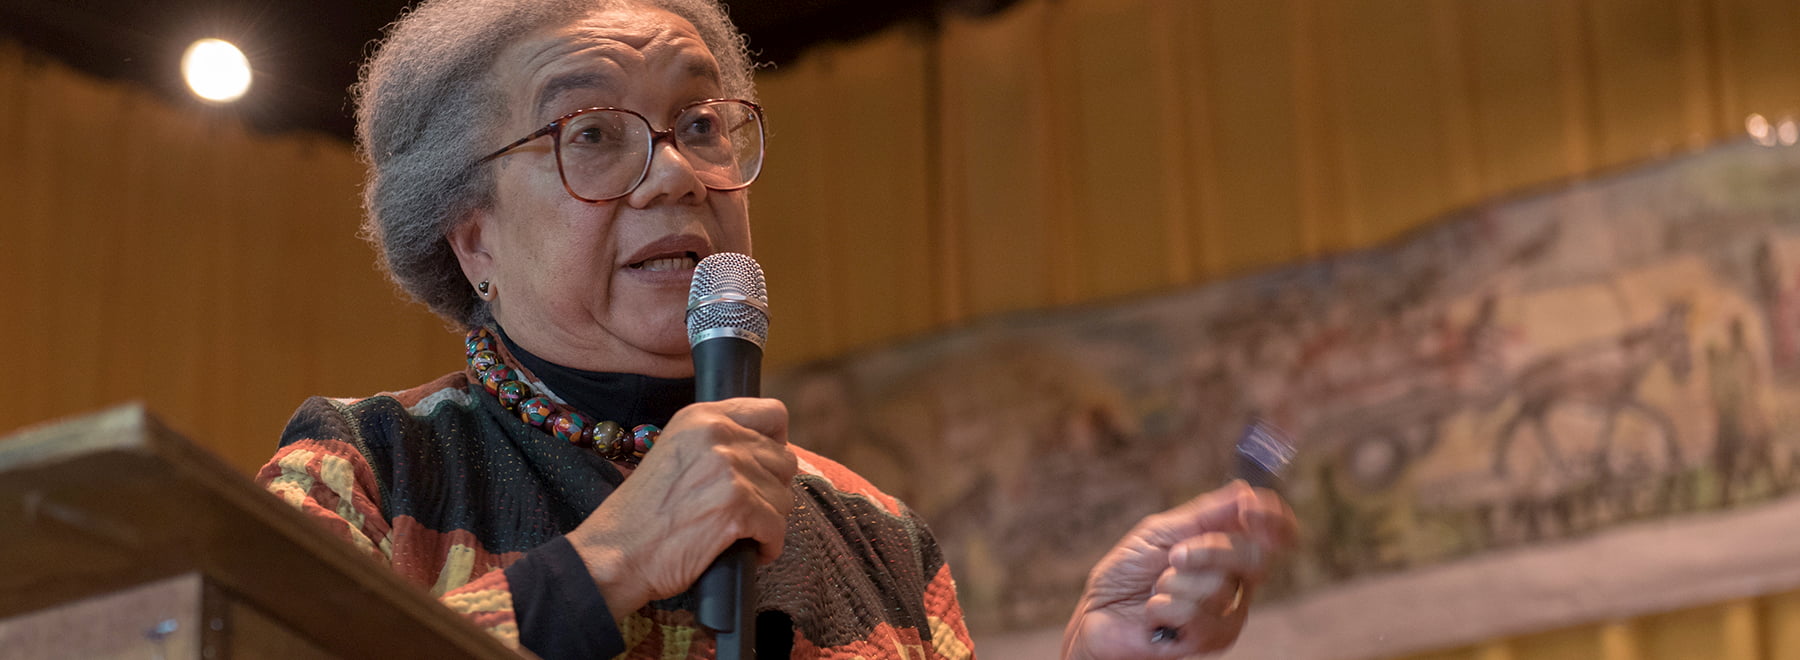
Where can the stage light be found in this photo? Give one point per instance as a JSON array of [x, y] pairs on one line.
[[216, 70], [1760, 130]]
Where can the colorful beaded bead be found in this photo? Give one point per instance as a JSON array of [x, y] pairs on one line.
[[606, 438], [493, 377], [618, 447], [604, 434], [643, 436], [511, 393], [568, 425], [536, 410]]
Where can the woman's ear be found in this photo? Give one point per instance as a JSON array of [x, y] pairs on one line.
[[468, 239]]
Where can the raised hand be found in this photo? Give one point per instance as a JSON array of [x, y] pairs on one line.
[[1181, 582]]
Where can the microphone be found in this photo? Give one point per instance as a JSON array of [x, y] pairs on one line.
[[1263, 454], [727, 324]]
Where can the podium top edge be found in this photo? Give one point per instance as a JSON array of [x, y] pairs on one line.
[[125, 427]]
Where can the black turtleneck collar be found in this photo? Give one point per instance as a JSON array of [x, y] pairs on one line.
[[628, 399]]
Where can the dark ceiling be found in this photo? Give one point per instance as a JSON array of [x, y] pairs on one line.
[[305, 52]]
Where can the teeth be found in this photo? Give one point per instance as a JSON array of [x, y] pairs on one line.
[[669, 263]]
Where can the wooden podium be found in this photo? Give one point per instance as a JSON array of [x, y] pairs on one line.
[[120, 539]]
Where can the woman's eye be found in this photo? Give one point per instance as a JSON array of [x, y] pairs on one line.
[[703, 126], [591, 135]]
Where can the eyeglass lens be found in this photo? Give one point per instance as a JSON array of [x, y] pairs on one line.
[[606, 153]]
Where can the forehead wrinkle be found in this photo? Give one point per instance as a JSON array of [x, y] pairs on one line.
[[568, 82], [692, 53], [607, 60], [701, 67], [614, 48]]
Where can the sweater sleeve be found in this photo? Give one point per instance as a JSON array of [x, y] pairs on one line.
[[330, 481], [950, 639], [558, 608], [542, 601]]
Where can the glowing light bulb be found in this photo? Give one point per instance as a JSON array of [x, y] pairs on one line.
[[216, 70]]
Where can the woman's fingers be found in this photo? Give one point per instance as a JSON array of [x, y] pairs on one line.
[[750, 436], [1218, 551], [756, 428], [772, 498], [721, 471], [1207, 576], [1267, 518], [768, 417], [1189, 594]]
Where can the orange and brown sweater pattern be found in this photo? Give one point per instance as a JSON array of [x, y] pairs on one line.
[[455, 494]]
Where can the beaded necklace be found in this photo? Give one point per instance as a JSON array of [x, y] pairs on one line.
[[605, 438]]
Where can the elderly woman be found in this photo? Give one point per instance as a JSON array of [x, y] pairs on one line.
[[545, 174]]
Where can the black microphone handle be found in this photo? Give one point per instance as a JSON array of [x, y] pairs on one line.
[[727, 367], [726, 595], [724, 368]]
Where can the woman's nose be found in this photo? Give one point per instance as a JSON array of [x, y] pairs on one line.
[[671, 178]]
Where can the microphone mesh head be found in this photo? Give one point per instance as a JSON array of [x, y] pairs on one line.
[[728, 298]]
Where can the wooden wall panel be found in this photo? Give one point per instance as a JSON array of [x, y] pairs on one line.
[[1636, 49], [1692, 633], [880, 230], [1778, 626], [1117, 151], [1516, 80], [1391, 98], [842, 212], [1254, 109], [789, 211], [1179, 69], [32, 226], [1744, 629], [1577, 644], [1758, 51], [1738, 637], [997, 186]]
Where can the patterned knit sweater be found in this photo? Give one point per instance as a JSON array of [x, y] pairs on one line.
[[460, 497]]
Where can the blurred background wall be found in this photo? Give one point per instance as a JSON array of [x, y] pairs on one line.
[[1056, 154]]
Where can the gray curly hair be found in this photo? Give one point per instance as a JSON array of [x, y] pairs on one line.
[[427, 107]]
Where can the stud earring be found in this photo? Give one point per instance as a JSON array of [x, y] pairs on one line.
[[482, 288]]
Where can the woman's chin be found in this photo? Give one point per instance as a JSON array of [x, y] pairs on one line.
[[666, 338]]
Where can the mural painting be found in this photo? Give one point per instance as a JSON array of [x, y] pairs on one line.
[[1532, 370]]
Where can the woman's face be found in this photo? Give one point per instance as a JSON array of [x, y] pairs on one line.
[[600, 286]]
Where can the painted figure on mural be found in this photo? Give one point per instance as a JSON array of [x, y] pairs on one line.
[[1780, 296], [1742, 449], [1602, 377]]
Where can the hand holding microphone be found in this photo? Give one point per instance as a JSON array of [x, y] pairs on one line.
[[720, 476]]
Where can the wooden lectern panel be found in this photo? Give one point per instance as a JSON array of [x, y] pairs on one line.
[[179, 618], [162, 618], [115, 500]]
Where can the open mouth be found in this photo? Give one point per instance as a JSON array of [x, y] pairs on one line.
[[683, 261]]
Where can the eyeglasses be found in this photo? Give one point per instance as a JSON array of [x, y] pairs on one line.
[[604, 153]]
